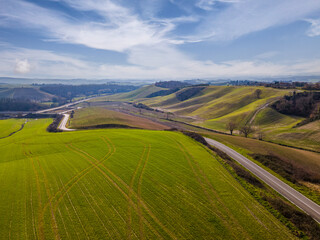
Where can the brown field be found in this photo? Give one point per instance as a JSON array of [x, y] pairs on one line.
[[92, 117]]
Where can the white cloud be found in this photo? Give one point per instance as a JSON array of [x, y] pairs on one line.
[[249, 16], [120, 29], [267, 55], [209, 4], [151, 63], [22, 66], [149, 44], [314, 28]]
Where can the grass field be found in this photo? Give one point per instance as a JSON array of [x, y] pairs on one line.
[[9, 126], [122, 184], [93, 116]]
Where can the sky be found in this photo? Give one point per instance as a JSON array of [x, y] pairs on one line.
[[159, 39]]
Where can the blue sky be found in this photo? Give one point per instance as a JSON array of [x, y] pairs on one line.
[[159, 39]]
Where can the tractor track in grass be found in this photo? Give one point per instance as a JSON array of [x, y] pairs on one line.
[[139, 192], [65, 188], [129, 220], [54, 224], [127, 187], [53, 221], [207, 188]]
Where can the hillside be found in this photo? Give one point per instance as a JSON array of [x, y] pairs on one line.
[[211, 105], [139, 93], [99, 117], [215, 106], [121, 184], [26, 93]]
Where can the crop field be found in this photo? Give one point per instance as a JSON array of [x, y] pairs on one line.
[[122, 184], [95, 116], [9, 126]]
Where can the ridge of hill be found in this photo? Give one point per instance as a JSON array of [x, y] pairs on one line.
[[30, 93]]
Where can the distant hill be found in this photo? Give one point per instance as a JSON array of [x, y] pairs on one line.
[[29, 93]]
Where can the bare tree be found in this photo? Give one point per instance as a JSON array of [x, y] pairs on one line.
[[246, 130], [257, 93], [231, 126], [168, 114], [260, 133]]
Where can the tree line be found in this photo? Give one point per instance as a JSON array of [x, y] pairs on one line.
[[72, 91], [9, 104]]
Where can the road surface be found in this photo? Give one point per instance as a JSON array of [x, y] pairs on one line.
[[62, 125], [285, 190], [64, 106]]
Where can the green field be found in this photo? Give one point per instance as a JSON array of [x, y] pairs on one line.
[[9, 126], [122, 184], [92, 116]]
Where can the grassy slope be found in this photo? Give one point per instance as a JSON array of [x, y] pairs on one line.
[[131, 96], [26, 93], [280, 128], [217, 105], [87, 184], [9, 125], [92, 116]]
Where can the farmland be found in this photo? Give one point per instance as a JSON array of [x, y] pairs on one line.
[[9, 126], [122, 184], [99, 116], [214, 106]]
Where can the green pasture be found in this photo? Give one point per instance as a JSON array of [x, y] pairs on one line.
[[122, 184], [9, 126]]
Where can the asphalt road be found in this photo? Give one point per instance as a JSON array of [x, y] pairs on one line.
[[64, 106], [285, 190], [62, 125]]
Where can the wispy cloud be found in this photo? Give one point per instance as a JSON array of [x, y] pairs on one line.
[[149, 41], [164, 63], [314, 29], [209, 4], [120, 29], [249, 16]]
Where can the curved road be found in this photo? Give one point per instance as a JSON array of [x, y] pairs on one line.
[[64, 106], [284, 189], [63, 123]]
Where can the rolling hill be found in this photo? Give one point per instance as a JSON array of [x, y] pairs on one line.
[[26, 93], [214, 106]]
